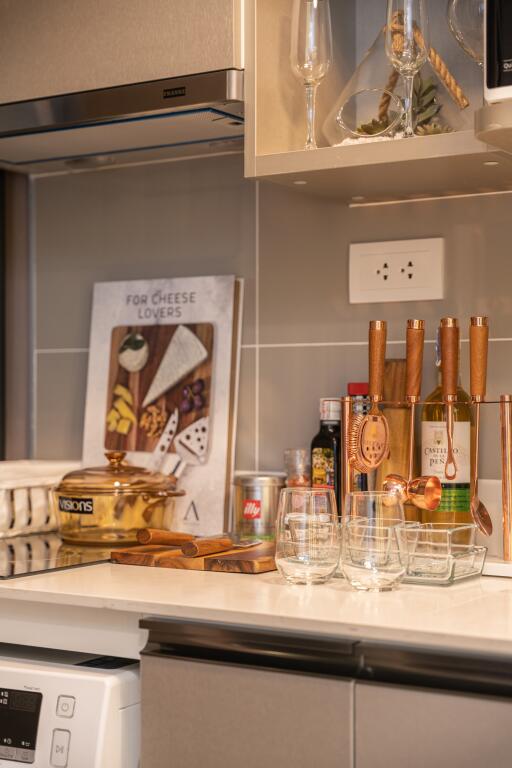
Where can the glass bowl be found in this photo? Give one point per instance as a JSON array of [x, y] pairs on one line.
[[362, 114]]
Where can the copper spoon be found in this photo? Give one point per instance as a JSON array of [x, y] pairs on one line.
[[479, 342], [423, 492]]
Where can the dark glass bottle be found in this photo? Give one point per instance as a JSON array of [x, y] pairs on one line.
[[326, 447], [499, 43]]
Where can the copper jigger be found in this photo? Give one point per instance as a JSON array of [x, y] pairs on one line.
[[423, 492]]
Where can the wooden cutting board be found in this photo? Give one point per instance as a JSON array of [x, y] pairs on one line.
[[158, 338], [259, 559]]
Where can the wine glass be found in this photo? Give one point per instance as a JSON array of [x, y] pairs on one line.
[[311, 52], [407, 46], [466, 22]]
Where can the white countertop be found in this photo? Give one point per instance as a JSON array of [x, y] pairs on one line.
[[475, 616]]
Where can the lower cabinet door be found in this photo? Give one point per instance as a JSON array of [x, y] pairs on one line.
[[399, 727], [207, 715]]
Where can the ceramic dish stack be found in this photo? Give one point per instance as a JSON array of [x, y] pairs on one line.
[[24, 495]]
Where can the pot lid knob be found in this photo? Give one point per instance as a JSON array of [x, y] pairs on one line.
[[115, 458]]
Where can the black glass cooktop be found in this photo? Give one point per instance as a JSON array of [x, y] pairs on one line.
[[39, 553]]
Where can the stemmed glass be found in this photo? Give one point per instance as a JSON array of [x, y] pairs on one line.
[[311, 52], [407, 46]]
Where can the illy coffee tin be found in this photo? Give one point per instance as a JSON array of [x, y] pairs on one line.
[[255, 502]]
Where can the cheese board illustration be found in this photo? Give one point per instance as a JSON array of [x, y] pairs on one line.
[[159, 391]]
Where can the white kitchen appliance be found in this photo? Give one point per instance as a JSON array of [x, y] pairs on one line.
[[498, 50], [68, 710]]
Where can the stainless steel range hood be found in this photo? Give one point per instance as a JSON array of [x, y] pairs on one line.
[[157, 119]]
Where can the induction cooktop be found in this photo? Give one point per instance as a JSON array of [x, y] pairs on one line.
[[40, 553]]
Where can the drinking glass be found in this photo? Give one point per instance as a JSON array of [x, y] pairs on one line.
[[374, 553], [407, 46], [311, 52], [307, 535], [466, 22]]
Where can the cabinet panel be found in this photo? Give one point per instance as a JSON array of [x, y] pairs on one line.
[[416, 728], [61, 46], [198, 714]]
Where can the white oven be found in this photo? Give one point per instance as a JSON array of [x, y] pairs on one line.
[[68, 710]]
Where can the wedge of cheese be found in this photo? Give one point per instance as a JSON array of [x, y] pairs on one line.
[[184, 353], [194, 439]]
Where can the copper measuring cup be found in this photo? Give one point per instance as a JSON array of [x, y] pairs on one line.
[[369, 433], [423, 492]]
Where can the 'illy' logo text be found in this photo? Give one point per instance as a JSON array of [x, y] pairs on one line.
[[76, 506]]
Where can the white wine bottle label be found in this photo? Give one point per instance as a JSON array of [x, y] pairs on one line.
[[434, 450]]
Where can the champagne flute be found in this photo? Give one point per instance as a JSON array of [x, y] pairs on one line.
[[311, 52], [407, 46]]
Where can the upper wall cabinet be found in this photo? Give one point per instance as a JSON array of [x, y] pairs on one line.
[[363, 170], [50, 47]]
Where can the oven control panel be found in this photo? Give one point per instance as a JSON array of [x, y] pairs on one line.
[[68, 715]]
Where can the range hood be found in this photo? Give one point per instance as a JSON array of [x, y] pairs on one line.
[[173, 117]]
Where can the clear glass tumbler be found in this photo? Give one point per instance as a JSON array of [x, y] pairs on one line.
[[374, 549], [307, 535]]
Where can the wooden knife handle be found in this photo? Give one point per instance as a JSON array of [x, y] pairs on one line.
[[201, 547], [415, 340], [449, 336], [377, 358], [478, 345], [157, 536]]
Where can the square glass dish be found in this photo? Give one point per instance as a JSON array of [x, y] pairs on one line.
[[442, 554]]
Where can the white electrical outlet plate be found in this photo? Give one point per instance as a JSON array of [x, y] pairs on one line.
[[398, 270]]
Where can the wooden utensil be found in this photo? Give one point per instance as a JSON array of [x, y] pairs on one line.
[[369, 433], [207, 546], [397, 416], [423, 492], [449, 336], [210, 545], [479, 344]]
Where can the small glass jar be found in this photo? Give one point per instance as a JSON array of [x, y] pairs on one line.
[[297, 463], [108, 505]]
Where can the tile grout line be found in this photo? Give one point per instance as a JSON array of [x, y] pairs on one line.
[[320, 344], [257, 331], [62, 351], [33, 319], [284, 345]]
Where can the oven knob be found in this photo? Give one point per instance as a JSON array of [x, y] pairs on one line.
[[60, 748], [65, 706]]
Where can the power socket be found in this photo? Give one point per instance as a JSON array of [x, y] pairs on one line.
[[398, 270]]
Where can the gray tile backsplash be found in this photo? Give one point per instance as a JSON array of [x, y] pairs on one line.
[[201, 217], [60, 398], [169, 220], [304, 265]]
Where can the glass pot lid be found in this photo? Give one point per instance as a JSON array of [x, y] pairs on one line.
[[117, 477]]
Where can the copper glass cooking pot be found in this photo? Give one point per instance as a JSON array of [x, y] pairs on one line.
[[107, 505]]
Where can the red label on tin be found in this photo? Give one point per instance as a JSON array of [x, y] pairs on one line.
[[252, 509]]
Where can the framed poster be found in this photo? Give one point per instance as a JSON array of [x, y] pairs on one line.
[[162, 386]]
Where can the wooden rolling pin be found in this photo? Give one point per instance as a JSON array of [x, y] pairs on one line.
[[156, 536], [212, 546]]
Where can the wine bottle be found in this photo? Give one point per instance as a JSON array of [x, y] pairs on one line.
[[325, 448], [456, 494]]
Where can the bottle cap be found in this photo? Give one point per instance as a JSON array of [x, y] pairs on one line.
[[355, 388], [330, 409]]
